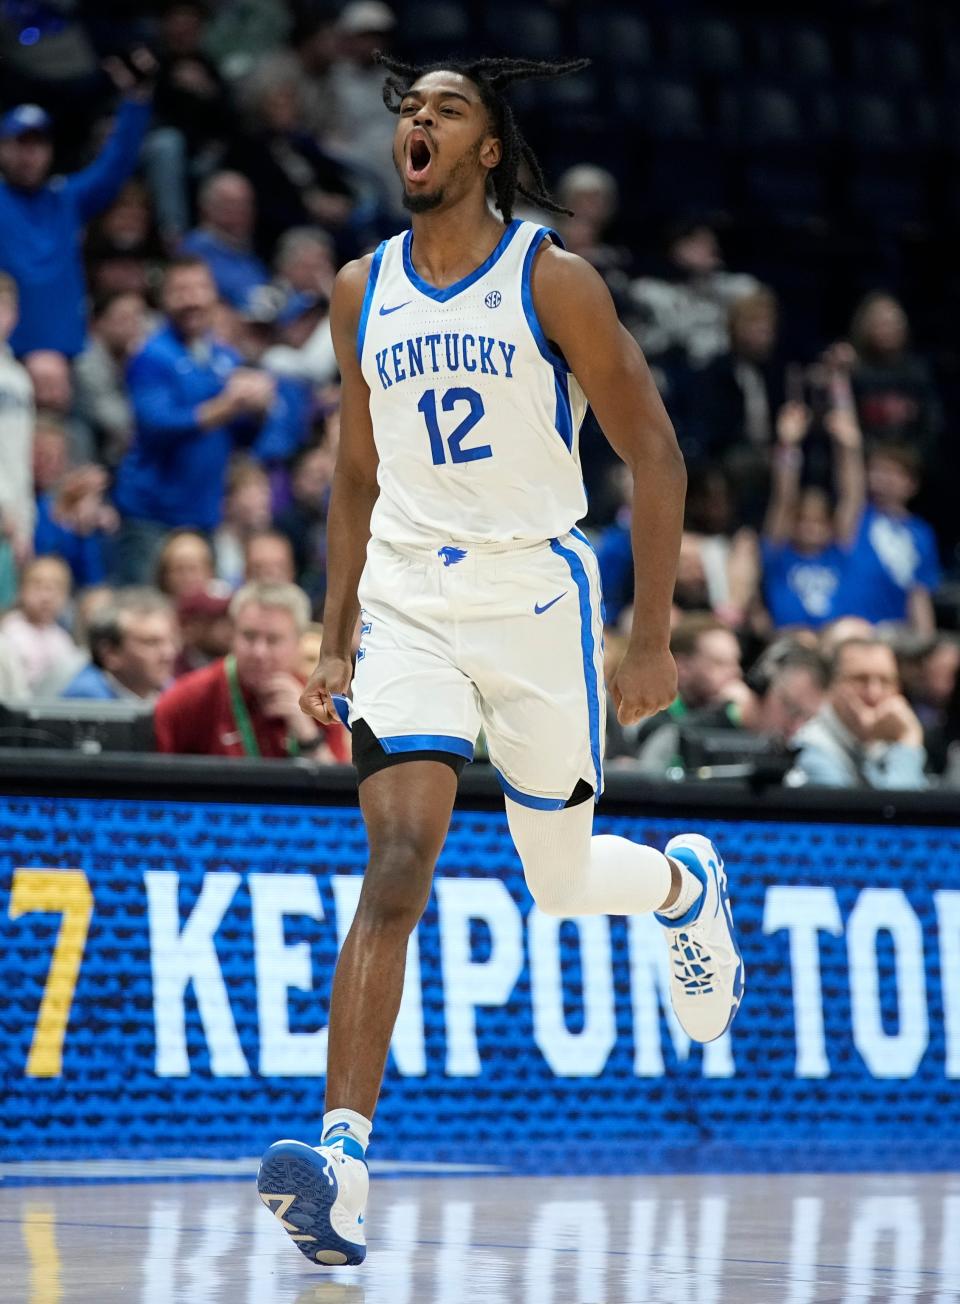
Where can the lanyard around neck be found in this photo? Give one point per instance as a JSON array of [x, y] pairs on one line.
[[241, 715]]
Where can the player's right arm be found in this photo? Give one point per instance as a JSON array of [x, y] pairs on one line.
[[352, 497]]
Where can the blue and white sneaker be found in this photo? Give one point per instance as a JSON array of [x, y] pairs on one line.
[[706, 967], [319, 1196]]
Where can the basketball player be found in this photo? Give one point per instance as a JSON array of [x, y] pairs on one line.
[[469, 348]]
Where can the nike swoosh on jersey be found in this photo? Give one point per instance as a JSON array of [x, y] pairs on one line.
[[538, 610], [385, 312]]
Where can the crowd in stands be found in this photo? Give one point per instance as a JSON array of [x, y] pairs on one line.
[[169, 418]]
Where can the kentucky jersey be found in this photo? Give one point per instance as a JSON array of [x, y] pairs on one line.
[[475, 416]]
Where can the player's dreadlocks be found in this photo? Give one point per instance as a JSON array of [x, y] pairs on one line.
[[491, 76]]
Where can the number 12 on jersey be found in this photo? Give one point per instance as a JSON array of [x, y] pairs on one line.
[[454, 441]]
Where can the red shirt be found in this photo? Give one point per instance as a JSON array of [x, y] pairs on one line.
[[195, 717]]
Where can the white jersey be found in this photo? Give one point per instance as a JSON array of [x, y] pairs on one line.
[[475, 416]]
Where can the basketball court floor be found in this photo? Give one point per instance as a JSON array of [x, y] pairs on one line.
[[438, 1238]]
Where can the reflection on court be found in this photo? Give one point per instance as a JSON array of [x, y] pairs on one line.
[[500, 1240]]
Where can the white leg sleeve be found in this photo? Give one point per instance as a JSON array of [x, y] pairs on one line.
[[569, 872]]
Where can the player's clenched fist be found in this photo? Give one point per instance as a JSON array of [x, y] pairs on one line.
[[645, 683], [332, 675]]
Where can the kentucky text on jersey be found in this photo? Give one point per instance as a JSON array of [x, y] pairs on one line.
[[450, 351]]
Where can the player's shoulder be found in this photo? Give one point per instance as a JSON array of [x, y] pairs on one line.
[[350, 286], [556, 269], [566, 289], [353, 276]]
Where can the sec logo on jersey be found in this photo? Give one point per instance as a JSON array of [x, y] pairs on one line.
[[493, 299]]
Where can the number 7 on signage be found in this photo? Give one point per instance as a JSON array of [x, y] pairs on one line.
[[64, 892]]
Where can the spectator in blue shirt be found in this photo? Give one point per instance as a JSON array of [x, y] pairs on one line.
[[133, 646], [42, 217], [224, 237], [76, 523], [895, 566], [191, 397], [805, 547]]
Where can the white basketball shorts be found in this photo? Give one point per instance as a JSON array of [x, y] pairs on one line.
[[508, 639]]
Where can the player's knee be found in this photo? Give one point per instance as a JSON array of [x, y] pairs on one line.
[[552, 895], [396, 887]]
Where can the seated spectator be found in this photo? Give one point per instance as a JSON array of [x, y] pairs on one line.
[[305, 267], [592, 195], [865, 735], [269, 558], [305, 262], [929, 667], [126, 228], [248, 703], [304, 522], [355, 94], [806, 550], [32, 630], [52, 382], [709, 674], [191, 398], [723, 549], [123, 251], [246, 512], [185, 564], [118, 325], [194, 116], [86, 604], [717, 568], [16, 460], [224, 238], [736, 400], [133, 645], [77, 524], [296, 181], [897, 401], [206, 630], [41, 218], [787, 688], [684, 312], [286, 426], [894, 566], [790, 681]]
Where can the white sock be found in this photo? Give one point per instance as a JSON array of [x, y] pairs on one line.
[[569, 872], [347, 1122], [691, 890]]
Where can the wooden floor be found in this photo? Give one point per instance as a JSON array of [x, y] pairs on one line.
[[493, 1239]]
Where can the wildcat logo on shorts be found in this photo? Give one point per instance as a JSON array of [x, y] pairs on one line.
[[494, 299]]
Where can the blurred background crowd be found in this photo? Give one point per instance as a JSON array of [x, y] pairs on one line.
[[772, 197]]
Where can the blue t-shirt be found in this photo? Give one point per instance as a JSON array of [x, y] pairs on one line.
[[41, 245], [85, 554], [891, 556], [236, 273], [174, 472], [799, 589], [615, 558], [92, 683]]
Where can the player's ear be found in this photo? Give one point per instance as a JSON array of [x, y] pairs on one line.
[[491, 151]]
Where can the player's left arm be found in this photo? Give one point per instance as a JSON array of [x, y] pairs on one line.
[[577, 315]]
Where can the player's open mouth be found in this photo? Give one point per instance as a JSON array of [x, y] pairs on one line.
[[418, 158]]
